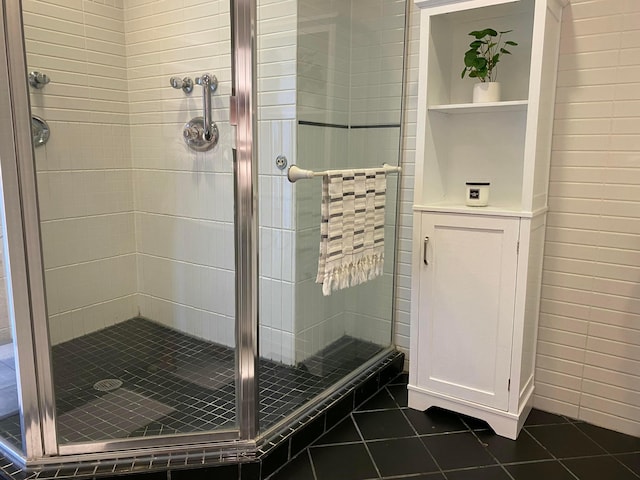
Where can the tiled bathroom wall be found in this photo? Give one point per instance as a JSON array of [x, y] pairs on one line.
[[588, 362], [183, 199], [85, 183], [133, 222], [277, 26], [376, 68]]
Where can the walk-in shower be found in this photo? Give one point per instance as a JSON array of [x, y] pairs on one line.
[[158, 289]]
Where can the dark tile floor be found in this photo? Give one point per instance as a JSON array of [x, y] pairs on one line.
[[174, 383], [383, 439]]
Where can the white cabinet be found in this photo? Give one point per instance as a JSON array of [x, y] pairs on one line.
[[477, 270], [466, 343]]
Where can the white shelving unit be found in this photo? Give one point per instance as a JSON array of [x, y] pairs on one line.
[[476, 270]]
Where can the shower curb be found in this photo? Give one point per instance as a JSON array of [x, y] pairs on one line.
[[272, 453]]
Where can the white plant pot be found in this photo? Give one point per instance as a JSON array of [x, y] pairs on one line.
[[486, 92]]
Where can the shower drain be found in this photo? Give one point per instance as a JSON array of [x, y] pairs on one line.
[[107, 385]]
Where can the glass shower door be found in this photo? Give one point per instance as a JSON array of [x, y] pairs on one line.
[[331, 103], [10, 424], [136, 202]]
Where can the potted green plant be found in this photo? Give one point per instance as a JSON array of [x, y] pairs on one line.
[[481, 60]]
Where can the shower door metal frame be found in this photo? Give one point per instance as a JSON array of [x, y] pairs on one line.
[[27, 270], [14, 118], [243, 116]]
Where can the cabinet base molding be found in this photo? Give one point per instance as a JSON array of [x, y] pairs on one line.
[[505, 424]]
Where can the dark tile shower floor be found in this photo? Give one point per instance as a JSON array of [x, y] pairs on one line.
[[383, 439], [174, 383]]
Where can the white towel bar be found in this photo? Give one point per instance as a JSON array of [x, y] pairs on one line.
[[296, 173]]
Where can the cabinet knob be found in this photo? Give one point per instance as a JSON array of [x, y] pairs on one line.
[[424, 251]]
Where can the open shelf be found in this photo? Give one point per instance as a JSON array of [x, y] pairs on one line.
[[465, 141], [510, 106], [491, 209], [449, 39]]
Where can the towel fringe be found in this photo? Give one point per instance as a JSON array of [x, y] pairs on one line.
[[352, 274]]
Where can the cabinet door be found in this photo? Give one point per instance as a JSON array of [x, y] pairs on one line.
[[467, 298]]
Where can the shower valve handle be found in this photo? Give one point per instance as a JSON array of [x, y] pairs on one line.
[[191, 133], [207, 79], [38, 80], [186, 84]]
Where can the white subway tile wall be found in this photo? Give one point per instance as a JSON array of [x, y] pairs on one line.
[[277, 27], [319, 319], [377, 40], [588, 354], [132, 221], [324, 61], [323, 39], [405, 218], [183, 199], [589, 337], [85, 180], [118, 188]]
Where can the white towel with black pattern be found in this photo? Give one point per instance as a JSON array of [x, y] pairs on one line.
[[352, 228]]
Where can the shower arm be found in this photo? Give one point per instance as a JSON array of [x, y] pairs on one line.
[[209, 84]]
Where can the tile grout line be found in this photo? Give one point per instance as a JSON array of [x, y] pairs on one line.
[[486, 448], [313, 468], [354, 423], [550, 452], [364, 442], [608, 453], [435, 462], [526, 430]]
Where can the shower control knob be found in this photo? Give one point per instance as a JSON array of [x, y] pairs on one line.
[[195, 135], [186, 84], [191, 133], [38, 80], [208, 79]]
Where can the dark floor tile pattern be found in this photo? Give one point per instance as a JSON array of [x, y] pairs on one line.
[[632, 461], [401, 456], [387, 440], [343, 462], [184, 384], [565, 441], [597, 468]]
